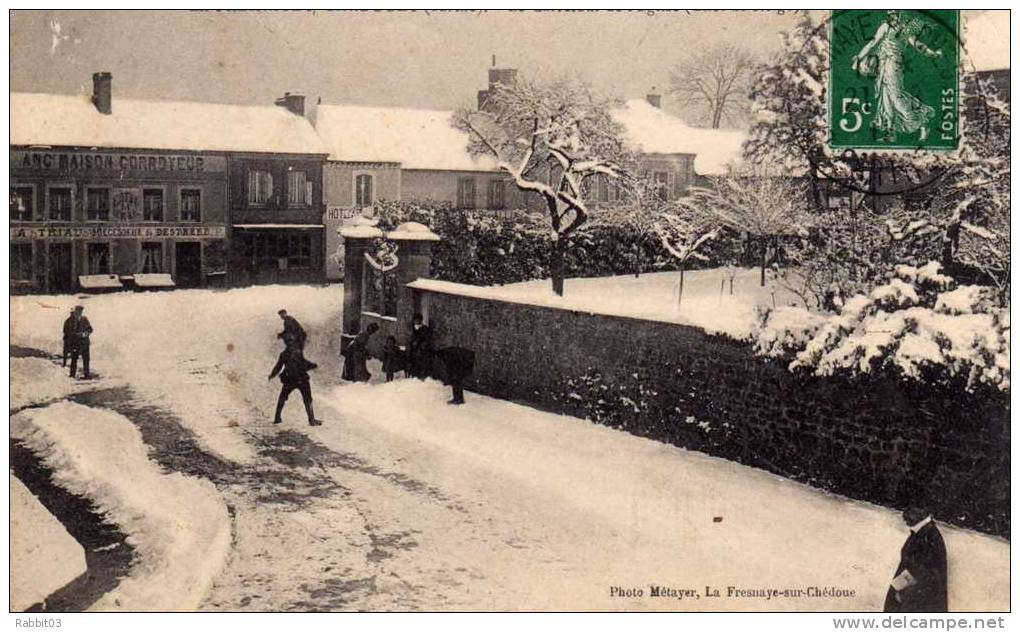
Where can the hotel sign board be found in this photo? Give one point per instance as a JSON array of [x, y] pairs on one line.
[[124, 231]]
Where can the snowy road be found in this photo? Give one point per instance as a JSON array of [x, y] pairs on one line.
[[399, 502]]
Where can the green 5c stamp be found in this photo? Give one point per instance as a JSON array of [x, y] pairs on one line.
[[894, 79]]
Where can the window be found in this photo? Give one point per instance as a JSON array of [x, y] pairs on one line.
[[60, 200], [22, 203], [363, 191], [497, 194], [296, 189], [152, 205], [662, 184], [466, 193], [21, 262], [279, 250], [151, 257], [97, 204], [260, 187], [98, 258], [191, 205]]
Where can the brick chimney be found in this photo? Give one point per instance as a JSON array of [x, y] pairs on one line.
[[654, 98], [102, 92], [293, 102], [497, 77]]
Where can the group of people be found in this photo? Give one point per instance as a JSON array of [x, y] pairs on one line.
[[420, 359], [77, 335]]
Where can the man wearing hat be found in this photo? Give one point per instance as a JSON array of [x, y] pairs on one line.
[[80, 331]]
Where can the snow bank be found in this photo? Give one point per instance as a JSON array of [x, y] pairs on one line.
[[570, 468], [44, 556], [177, 524]]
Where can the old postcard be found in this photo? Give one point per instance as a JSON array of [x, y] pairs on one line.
[[446, 311]]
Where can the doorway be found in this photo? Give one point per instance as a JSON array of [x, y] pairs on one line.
[[189, 264], [61, 274]]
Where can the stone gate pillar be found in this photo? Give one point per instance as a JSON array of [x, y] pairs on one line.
[[358, 237], [414, 256]]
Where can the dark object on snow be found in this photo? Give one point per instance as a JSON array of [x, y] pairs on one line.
[[292, 367], [292, 330], [419, 348], [919, 584], [80, 330], [356, 356], [68, 334], [456, 364], [393, 358]]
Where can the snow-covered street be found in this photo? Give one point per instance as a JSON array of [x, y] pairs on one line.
[[400, 502]]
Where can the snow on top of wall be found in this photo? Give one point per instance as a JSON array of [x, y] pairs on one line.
[[986, 40], [654, 131], [178, 524], [70, 120], [418, 139]]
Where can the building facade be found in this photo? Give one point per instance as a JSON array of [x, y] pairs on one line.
[[110, 193]]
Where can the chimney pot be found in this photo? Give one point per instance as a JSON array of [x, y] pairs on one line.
[[654, 98], [102, 92], [294, 102]]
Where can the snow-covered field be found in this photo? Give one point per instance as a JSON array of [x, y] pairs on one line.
[[400, 502], [707, 300], [44, 556]]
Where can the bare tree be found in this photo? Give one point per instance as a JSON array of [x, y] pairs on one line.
[[683, 232], [764, 207], [717, 79], [553, 139]]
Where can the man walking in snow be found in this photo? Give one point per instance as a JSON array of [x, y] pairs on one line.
[[292, 367], [80, 330], [292, 329], [920, 581], [419, 348]]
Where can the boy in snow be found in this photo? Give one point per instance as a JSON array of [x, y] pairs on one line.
[[68, 335], [293, 368], [393, 358], [293, 329], [81, 330], [356, 356], [419, 348]]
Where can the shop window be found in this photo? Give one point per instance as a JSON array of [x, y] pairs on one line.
[[260, 187], [61, 202], [363, 191], [279, 250], [191, 205], [152, 205], [22, 203], [97, 204], [466, 193], [98, 258], [296, 181], [152, 257], [21, 262], [497, 194]]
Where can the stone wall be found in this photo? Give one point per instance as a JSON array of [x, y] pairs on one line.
[[881, 440]]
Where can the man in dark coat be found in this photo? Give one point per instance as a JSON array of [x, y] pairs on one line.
[[920, 582], [292, 329], [68, 335], [80, 330], [293, 368], [419, 348], [457, 364], [356, 356]]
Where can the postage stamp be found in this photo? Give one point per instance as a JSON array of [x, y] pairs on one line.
[[894, 79]]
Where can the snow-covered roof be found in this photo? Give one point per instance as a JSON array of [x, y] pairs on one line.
[[418, 139], [654, 131], [69, 120], [986, 40]]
